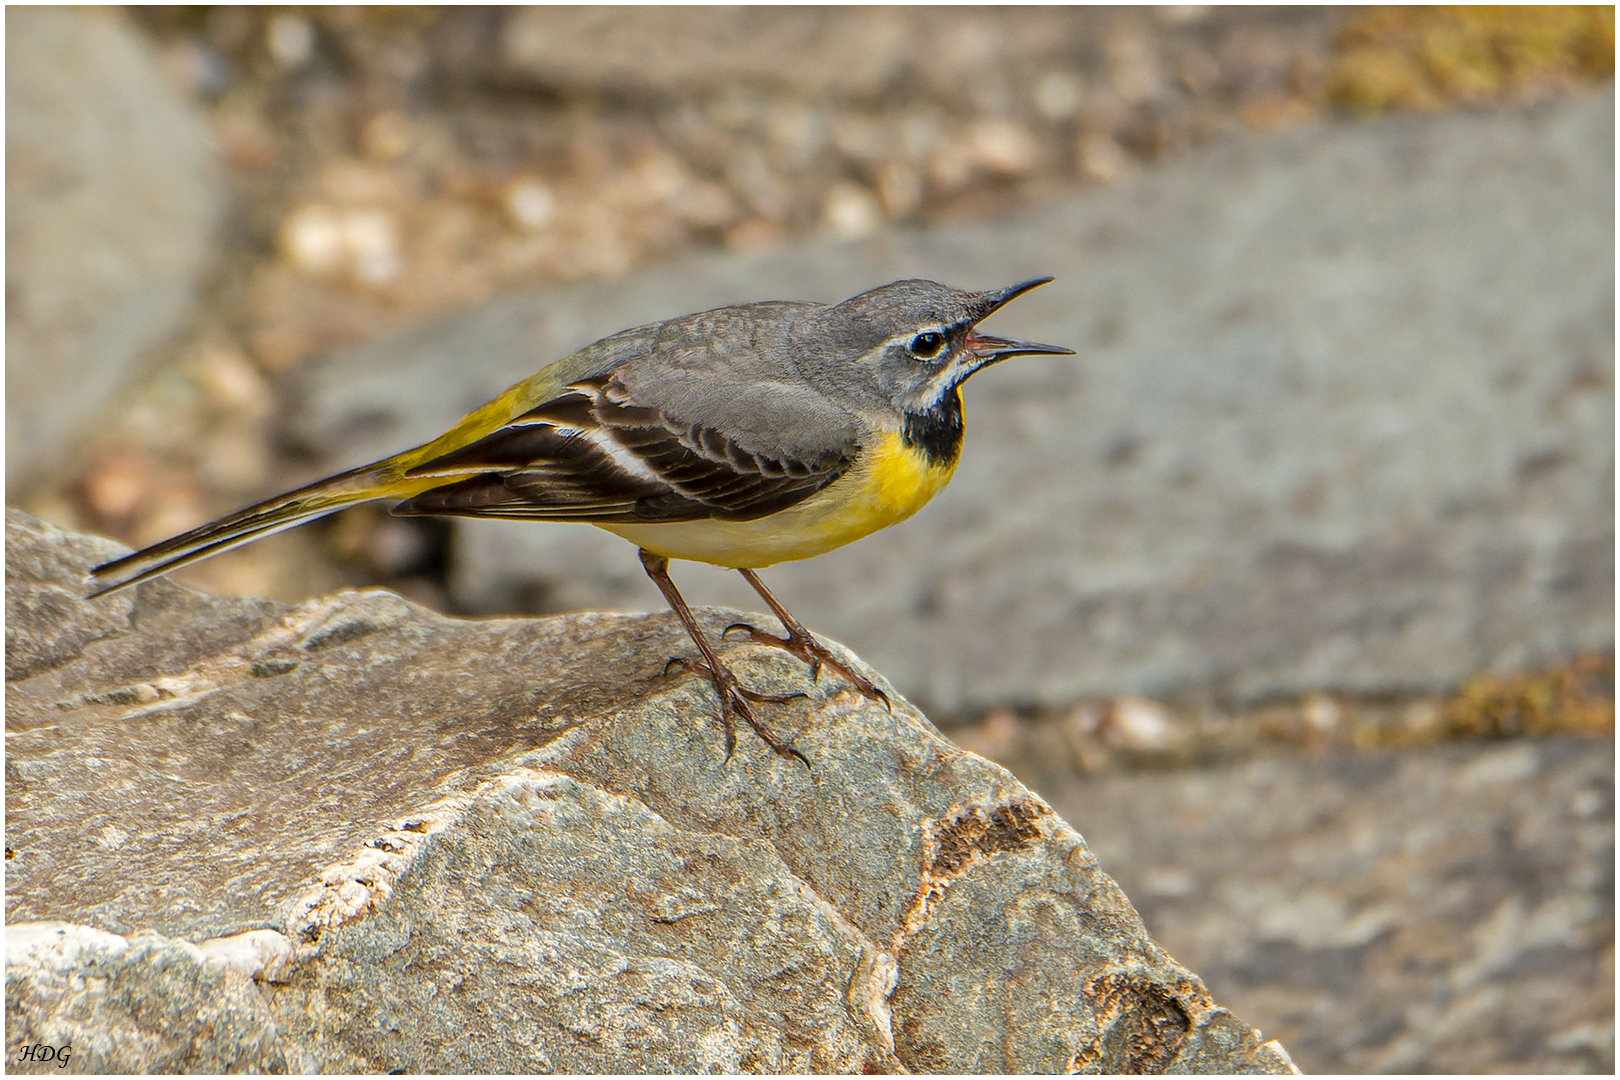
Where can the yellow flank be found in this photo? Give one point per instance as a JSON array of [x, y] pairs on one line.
[[888, 484]]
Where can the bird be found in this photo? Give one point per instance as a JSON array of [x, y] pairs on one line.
[[742, 436]]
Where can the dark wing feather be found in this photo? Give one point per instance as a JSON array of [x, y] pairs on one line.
[[594, 454]]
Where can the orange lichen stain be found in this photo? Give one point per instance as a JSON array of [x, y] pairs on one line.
[[1574, 698], [1153, 1018]]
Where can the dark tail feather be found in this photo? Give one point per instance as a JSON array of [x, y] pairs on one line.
[[262, 519]]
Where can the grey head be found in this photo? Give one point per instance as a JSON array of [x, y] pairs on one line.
[[908, 345]]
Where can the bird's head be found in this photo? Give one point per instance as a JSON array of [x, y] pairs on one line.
[[911, 344]]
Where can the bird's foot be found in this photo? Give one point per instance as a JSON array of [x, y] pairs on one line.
[[800, 643], [734, 700]]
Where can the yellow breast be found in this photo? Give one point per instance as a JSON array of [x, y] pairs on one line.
[[888, 484]]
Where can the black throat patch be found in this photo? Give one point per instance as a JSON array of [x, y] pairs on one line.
[[937, 432]]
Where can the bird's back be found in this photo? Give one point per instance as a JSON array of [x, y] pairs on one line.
[[676, 360]]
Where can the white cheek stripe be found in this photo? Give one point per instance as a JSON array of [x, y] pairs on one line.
[[937, 387]]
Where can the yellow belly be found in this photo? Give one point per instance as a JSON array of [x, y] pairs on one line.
[[888, 484]]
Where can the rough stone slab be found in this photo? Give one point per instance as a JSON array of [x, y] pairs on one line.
[[113, 201], [355, 835], [661, 53], [1343, 418], [840, 54], [1444, 910]]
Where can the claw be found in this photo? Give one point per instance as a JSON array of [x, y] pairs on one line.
[[734, 698], [770, 699], [802, 644], [817, 655]]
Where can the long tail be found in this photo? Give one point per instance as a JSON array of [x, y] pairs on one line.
[[377, 481]]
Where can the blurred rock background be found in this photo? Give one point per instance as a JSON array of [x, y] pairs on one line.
[[1341, 458]]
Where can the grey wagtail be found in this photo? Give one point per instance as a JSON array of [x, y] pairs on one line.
[[743, 437]]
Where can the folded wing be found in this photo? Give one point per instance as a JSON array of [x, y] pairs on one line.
[[593, 454]]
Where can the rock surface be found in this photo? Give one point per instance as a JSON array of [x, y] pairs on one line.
[[1445, 910], [355, 835], [112, 206], [1342, 420]]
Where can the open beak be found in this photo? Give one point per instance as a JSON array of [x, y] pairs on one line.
[[990, 349], [987, 349], [993, 299]]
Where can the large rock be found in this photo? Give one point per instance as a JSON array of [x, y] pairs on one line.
[[674, 54], [112, 203], [678, 52], [354, 835], [1342, 419]]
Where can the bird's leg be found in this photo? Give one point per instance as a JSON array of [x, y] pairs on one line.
[[801, 644], [734, 697]]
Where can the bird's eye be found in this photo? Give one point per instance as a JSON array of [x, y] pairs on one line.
[[927, 345]]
